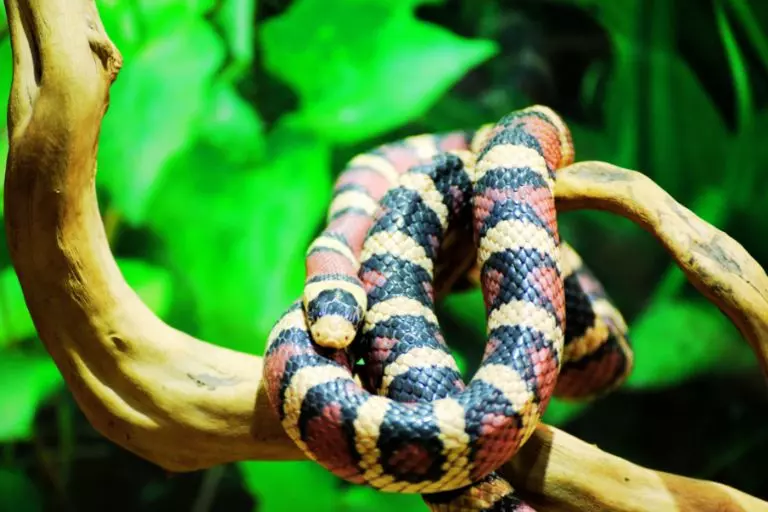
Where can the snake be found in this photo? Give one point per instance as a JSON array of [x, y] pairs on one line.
[[358, 370]]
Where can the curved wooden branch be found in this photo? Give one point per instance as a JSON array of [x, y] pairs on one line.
[[557, 472], [144, 385], [185, 404], [718, 266]]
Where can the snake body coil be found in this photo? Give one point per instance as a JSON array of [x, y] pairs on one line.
[[413, 425]]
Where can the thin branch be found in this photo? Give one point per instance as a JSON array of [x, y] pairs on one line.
[[716, 264], [112, 351]]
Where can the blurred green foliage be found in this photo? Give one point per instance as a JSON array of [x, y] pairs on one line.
[[229, 122]]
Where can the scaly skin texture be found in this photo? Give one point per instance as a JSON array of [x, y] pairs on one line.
[[416, 427], [598, 357], [334, 297], [187, 405]]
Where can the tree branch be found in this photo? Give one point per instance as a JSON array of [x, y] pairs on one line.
[[144, 385], [556, 472], [718, 266], [185, 404]]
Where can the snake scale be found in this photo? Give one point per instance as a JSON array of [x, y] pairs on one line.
[[404, 420]]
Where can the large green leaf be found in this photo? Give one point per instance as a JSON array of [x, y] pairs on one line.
[[17, 491], [124, 25], [285, 485], [747, 172], [620, 18], [3, 161], [618, 143], [231, 125], [162, 16], [152, 284], [15, 322], [236, 18], [157, 8], [274, 485], [153, 109], [25, 382], [657, 113], [681, 115], [365, 499], [239, 236], [684, 145], [559, 412], [749, 18], [363, 67], [676, 340], [133, 24], [6, 75]]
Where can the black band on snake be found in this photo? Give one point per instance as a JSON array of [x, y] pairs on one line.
[[407, 422]]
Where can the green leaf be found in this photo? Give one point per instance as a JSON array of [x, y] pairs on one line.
[[153, 284], [159, 8], [744, 103], [559, 412], [750, 24], [15, 322], [620, 19], [153, 109], [619, 143], [236, 19], [646, 87], [462, 317], [3, 162], [467, 308], [675, 340], [362, 68], [25, 382], [642, 89], [124, 26], [282, 485], [365, 499], [751, 157], [239, 236], [273, 484], [6, 75], [132, 24], [163, 16], [232, 125], [17, 491], [678, 161]]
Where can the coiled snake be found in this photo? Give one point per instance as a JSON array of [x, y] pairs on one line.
[[405, 421]]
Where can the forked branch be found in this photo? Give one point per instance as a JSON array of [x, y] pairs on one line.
[[185, 404]]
